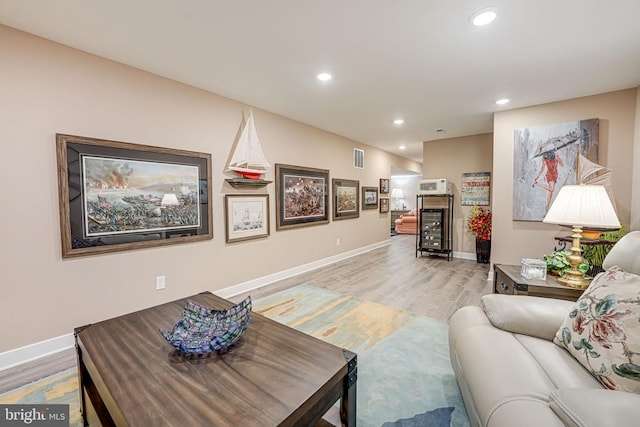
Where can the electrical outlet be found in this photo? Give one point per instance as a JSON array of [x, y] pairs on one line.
[[338, 241], [160, 282]]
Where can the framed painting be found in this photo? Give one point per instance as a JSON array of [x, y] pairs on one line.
[[384, 186], [545, 159], [475, 188], [246, 216], [346, 200], [302, 196], [117, 196], [384, 205], [369, 198]]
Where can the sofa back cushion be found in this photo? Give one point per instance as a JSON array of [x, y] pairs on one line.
[[602, 331], [625, 253]]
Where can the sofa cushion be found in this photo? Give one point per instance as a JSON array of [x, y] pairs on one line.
[[602, 331], [523, 314], [602, 408]]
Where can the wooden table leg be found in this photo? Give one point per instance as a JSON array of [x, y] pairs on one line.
[[348, 401]]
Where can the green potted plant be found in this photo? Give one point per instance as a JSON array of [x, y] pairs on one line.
[[557, 263]]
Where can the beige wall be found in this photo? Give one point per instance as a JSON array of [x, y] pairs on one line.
[[450, 158], [635, 195], [513, 240], [47, 89]]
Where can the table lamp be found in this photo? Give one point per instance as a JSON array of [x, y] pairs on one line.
[[397, 194], [581, 206]]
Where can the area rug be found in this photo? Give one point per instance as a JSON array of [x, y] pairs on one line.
[[404, 375]]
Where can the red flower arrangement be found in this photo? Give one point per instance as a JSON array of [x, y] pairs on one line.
[[479, 223]]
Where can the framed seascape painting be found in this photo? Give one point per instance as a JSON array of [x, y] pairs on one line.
[[384, 186], [384, 205], [117, 196], [545, 159], [302, 196], [247, 217], [369, 198], [346, 200]]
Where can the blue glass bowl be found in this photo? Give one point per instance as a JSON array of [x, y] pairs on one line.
[[204, 330]]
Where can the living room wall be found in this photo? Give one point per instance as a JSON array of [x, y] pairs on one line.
[[48, 88], [450, 158], [514, 240]]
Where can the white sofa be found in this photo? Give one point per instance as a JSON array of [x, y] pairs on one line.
[[511, 373]]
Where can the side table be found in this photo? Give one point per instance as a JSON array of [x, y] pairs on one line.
[[507, 280]]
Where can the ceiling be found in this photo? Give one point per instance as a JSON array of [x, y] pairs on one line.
[[420, 60]]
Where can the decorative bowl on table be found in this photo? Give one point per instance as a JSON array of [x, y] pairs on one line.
[[204, 330]]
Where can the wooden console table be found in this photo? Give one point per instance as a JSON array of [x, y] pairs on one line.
[[130, 376], [507, 280]]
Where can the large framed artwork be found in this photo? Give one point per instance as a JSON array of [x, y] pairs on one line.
[[247, 216], [369, 198], [545, 159], [346, 201], [302, 196], [117, 196]]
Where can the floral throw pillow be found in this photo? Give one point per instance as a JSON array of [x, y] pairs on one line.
[[603, 330]]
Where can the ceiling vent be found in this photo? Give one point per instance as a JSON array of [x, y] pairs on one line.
[[358, 158]]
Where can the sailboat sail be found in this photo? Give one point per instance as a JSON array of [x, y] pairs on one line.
[[248, 159], [595, 174]]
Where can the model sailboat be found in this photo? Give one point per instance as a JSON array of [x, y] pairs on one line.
[[248, 159]]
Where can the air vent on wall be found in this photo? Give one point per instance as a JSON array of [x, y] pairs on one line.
[[358, 158]]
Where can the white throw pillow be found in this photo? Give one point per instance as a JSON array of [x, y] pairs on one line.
[[602, 330]]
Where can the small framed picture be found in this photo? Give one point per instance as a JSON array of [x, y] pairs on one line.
[[384, 186], [369, 198], [247, 216], [384, 205], [346, 200]]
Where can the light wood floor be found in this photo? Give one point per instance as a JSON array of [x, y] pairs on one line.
[[392, 275]]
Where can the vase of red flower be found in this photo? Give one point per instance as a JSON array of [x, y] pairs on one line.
[[479, 223]]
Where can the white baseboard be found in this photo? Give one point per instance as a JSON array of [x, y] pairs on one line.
[[12, 358], [465, 255]]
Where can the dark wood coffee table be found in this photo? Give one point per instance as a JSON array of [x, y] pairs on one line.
[[274, 376]]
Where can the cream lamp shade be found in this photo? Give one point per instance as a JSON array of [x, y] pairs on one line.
[[583, 205], [397, 193]]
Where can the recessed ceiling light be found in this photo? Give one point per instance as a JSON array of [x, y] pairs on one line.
[[323, 77], [483, 16], [402, 147], [398, 121], [502, 101]]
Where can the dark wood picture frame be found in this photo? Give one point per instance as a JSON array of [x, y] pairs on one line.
[[384, 186], [346, 198], [384, 204], [114, 196], [302, 196], [246, 216], [369, 198]]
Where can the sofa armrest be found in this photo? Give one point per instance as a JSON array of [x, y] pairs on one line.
[[595, 407], [521, 314]]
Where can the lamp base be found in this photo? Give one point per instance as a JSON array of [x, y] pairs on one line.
[[574, 278]]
